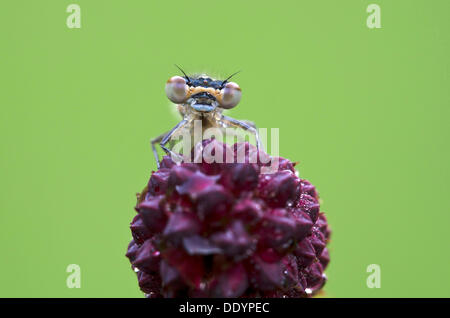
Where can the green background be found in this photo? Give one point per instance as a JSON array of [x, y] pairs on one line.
[[364, 110]]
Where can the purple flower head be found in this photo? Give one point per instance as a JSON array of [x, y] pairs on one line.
[[211, 229]]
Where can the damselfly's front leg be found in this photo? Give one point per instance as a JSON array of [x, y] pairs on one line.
[[165, 138], [153, 143], [246, 125]]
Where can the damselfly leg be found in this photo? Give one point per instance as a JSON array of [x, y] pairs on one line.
[[246, 125], [165, 138]]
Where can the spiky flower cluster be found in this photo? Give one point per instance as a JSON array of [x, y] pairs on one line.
[[228, 230]]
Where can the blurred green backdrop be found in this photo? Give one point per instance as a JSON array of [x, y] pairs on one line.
[[364, 110]]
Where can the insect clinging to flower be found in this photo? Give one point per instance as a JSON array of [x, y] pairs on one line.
[[240, 228], [202, 98]]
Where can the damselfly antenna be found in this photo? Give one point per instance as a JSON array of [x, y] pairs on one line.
[[226, 80], [187, 77]]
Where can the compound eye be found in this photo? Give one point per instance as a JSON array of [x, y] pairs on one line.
[[230, 95], [176, 89]]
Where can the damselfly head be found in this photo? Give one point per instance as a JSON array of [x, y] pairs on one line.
[[203, 93]]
